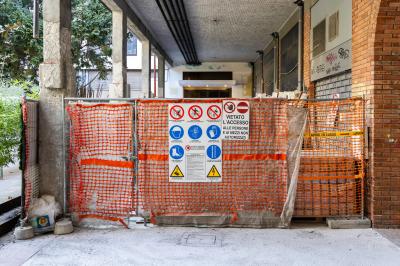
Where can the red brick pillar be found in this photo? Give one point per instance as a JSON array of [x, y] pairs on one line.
[[376, 76]]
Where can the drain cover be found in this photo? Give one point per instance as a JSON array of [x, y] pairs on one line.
[[200, 240]]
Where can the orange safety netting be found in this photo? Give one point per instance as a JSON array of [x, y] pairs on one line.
[[332, 162], [254, 171], [101, 171], [29, 152]]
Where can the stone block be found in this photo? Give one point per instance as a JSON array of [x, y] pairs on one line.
[[348, 223]]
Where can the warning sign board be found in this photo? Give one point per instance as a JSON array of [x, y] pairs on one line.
[[195, 142], [214, 172], [236, 120], [176, 172]]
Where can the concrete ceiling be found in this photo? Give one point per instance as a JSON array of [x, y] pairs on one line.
[[223, 30]]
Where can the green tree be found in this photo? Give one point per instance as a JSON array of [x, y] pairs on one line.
[[91, 35], [21, 54], [10, 128]]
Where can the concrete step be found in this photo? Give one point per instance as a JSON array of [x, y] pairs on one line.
[[348, 223]]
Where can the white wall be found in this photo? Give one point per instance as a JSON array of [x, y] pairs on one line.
[[135, 62], [240, 73], [323, 9]]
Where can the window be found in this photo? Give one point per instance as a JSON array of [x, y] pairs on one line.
[[333, 26], [132, 46], [319, 39], [289, 60]]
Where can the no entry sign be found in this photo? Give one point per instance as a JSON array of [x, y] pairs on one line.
[[242, 107], [236, 120]]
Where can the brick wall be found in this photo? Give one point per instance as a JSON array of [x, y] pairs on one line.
[[306, 50], [329, 87], [376, 76]]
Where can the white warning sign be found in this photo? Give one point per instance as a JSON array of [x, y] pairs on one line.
[[195, 142], [236, 120]]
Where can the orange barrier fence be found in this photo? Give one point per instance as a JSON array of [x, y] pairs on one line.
[[106, 180], [101, 173], [332, 163], [254, 170], [29, 151]]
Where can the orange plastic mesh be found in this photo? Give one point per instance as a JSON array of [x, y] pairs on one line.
[[332, 162], [254, 171], [101, 173], [255, 177], [30, 143]]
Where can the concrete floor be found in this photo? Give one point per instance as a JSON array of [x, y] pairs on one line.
[[194, 246]]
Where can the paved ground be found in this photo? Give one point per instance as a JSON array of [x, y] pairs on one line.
[[194, 246], [10, 186]]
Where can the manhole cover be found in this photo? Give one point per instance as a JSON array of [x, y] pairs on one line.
[[200, 240]]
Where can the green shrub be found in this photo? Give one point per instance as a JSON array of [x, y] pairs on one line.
[[10, 130]]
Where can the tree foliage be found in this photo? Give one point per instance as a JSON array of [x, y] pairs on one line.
[[21, 54], [10, 128], [91, 35]]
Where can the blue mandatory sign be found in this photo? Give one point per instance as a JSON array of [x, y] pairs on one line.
[[195, 132], [176, 152], [213, 152], [213, 132], [176, 132]]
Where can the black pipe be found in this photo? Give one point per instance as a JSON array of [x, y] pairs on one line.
[[175, 16], [253, 76], [261, 53], [189, 32], [185, 24], [180, 29], [277, 75], [171, 30]]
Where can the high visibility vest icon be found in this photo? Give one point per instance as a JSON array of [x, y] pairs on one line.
[[177, 172], [213, 172]]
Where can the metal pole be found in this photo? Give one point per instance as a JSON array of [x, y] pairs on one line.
[[154, 76], [35, 24], [363, 158], [136, 161], [65, 207]]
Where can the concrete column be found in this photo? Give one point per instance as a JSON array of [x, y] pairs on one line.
[[57, 80], [161, 77], [118, 88], [146, 69]]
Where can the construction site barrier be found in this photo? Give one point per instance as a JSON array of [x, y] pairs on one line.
[[118, 164], [29, 151], [331, 178], [101, 182]]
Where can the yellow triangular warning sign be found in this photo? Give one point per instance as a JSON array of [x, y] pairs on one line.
[[214, 172], [177, 172]]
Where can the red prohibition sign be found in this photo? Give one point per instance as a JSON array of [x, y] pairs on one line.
[[229, 107], [214, 112], [176, 112], [195, 112], [242, 107]]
